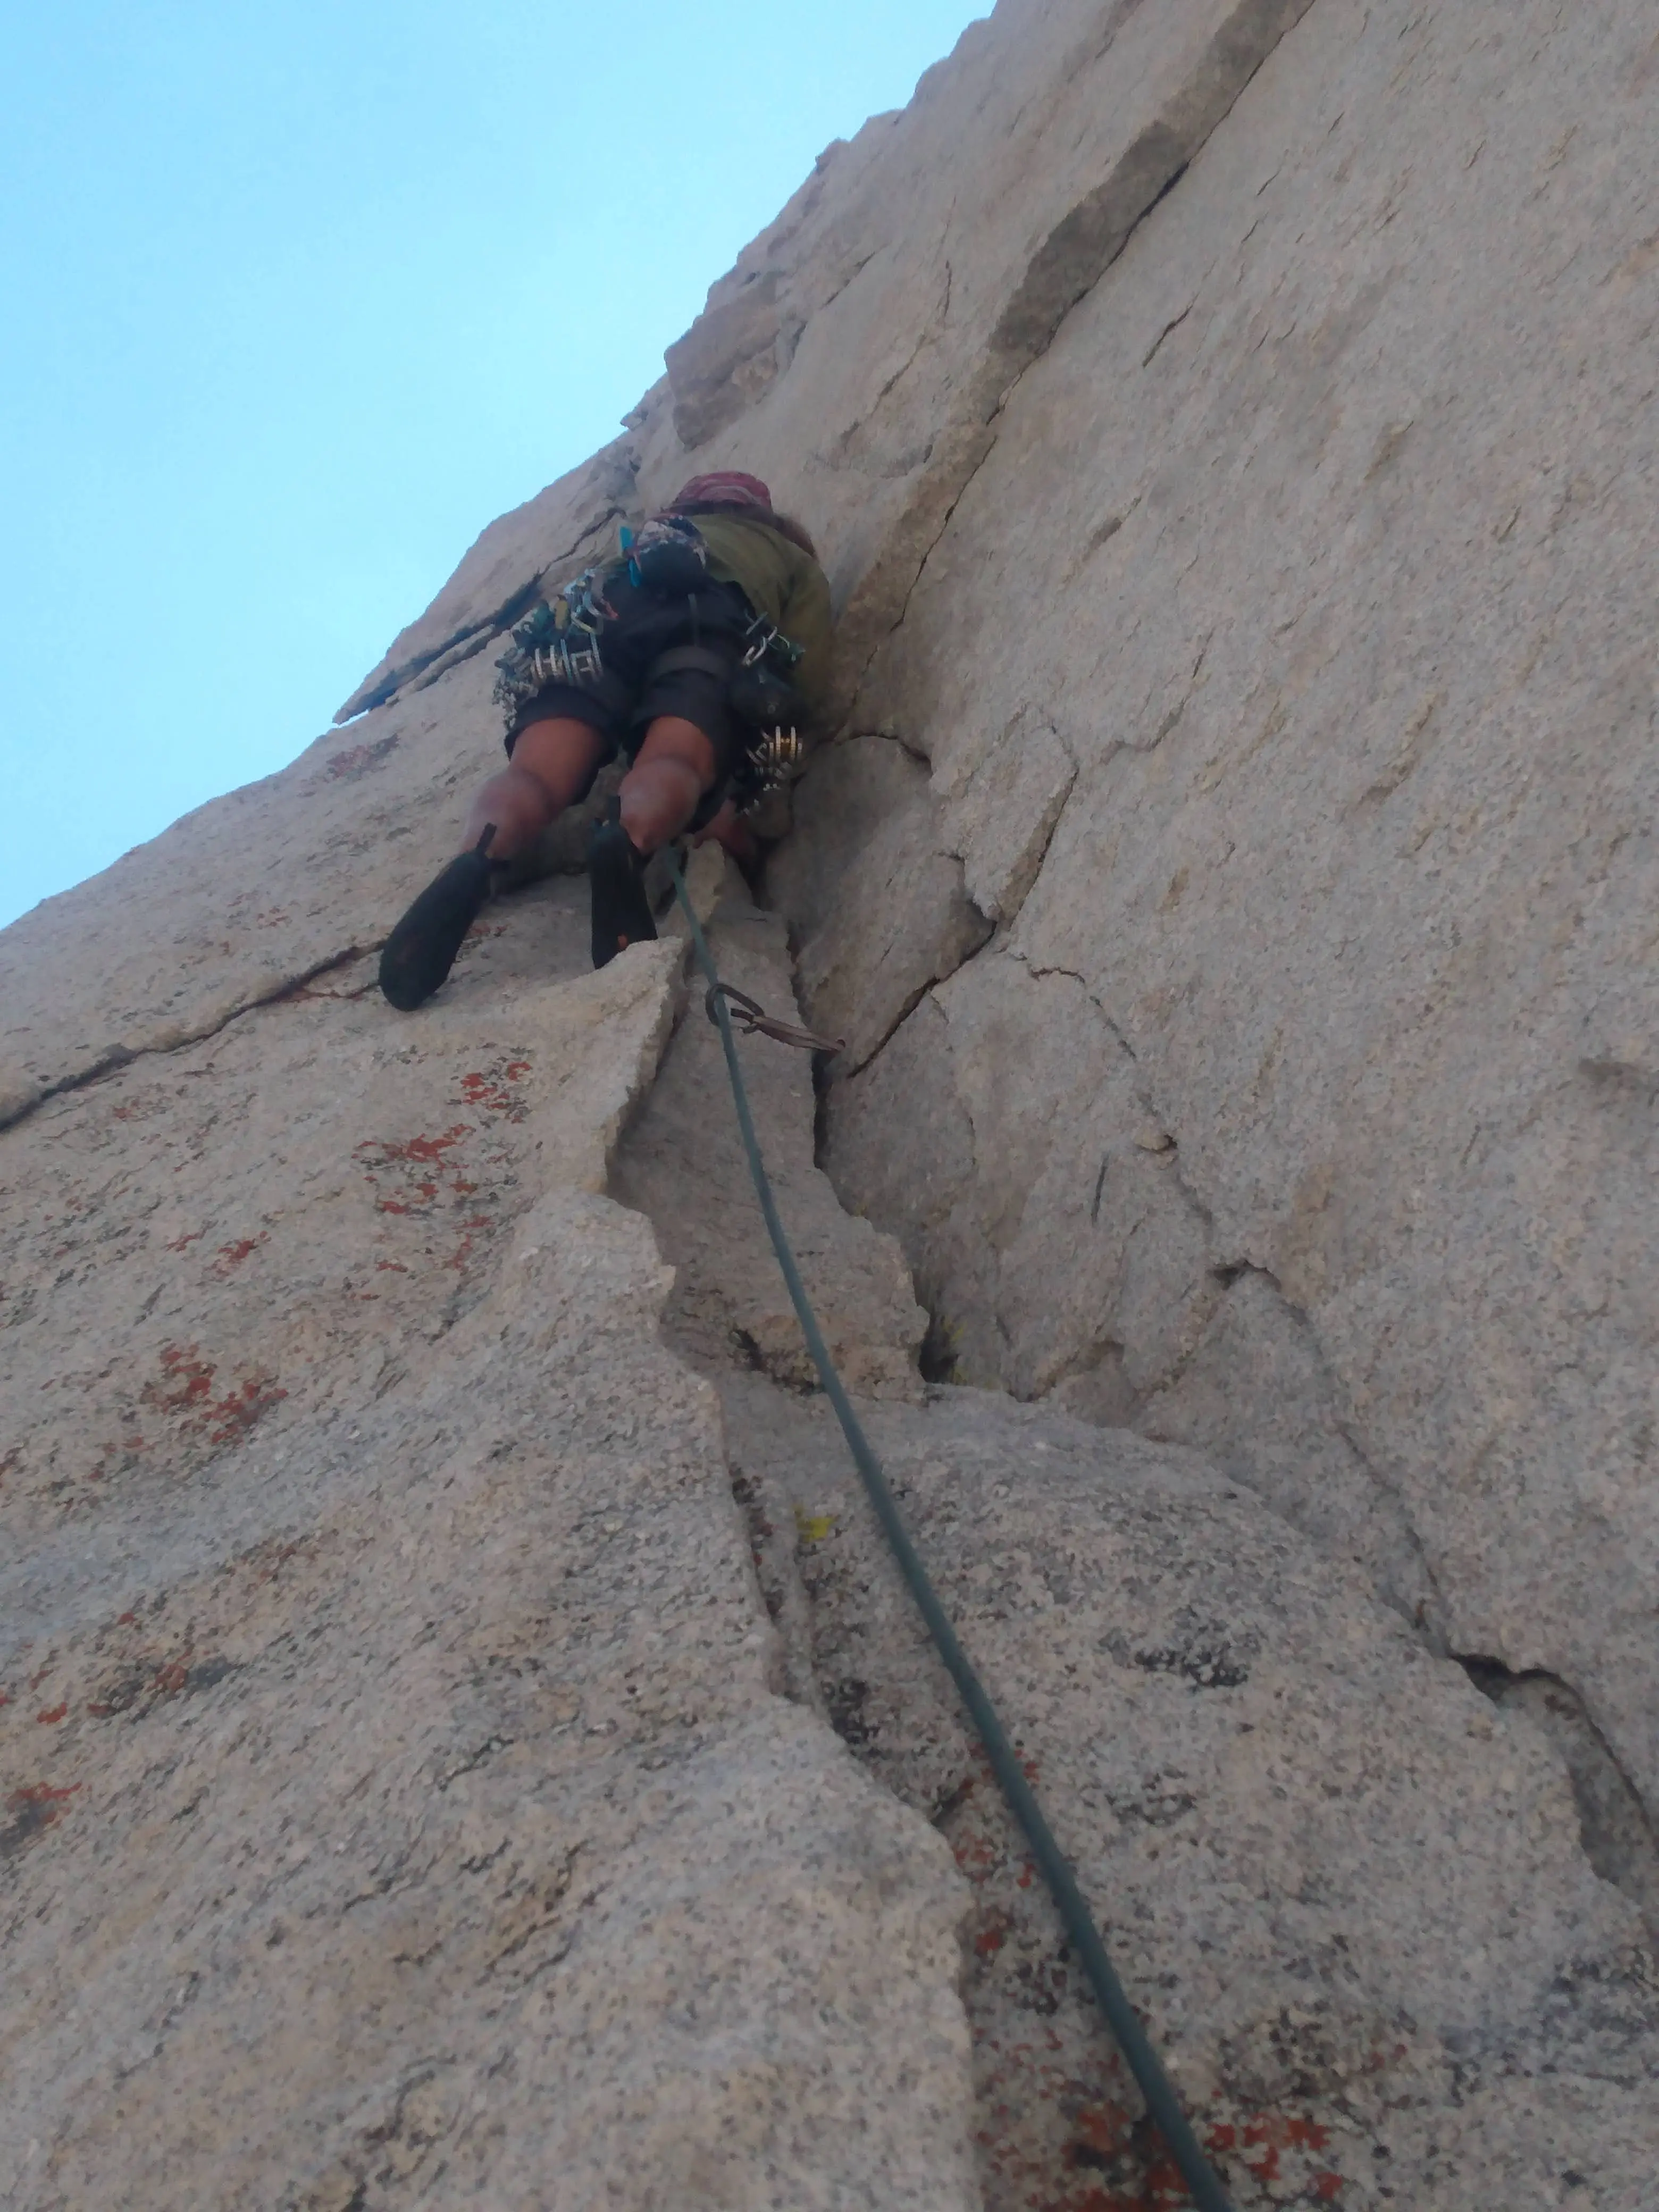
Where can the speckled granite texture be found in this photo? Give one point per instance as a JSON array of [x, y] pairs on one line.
[[461, 1742]]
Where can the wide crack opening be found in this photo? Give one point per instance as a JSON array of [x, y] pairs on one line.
[[1618, 1836]]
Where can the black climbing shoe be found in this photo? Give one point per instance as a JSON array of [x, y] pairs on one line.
[[621, 913], [421, 951]]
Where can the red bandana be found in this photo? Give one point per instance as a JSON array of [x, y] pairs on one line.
[[725, 488]]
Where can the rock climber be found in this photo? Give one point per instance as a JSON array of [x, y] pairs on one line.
[[697, 651]]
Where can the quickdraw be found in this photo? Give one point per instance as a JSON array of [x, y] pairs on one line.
[[555, 643], [763, 637], [749, 1016]]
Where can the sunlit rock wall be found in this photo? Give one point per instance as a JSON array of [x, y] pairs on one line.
[[1230, 432], [1287, 675]]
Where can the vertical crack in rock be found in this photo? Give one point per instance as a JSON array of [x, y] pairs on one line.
[[1618, 1836], [1077, 253], [729, 1301], [878, 915], [366, 1543], [1334, 1005], [378, 1662], [1232, 1367], [993, 1491], [500, 576]]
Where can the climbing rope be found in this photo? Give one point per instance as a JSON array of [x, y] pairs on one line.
[[1156, 2086]]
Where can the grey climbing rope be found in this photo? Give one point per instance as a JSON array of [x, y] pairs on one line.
[[1162, 2101]]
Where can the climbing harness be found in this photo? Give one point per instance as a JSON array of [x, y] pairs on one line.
[[1162, 2101], [558, 643]]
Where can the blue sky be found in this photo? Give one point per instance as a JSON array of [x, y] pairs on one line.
[[299, 297]]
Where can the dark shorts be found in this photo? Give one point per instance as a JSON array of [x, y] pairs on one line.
[[660, 657]]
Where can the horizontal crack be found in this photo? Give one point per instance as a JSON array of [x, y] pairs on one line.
[[120, 1057]]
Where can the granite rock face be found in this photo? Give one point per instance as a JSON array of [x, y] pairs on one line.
[[1286, 672], [872, 851], [397, 1804], [857, 353], [1346, 1894], [729, 1306], [1347, 1890], [461, 1739]]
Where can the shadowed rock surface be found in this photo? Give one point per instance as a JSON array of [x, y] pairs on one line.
[[461, 1739]]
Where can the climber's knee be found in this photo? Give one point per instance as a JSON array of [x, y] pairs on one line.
[[552, 767], [563, 756], [674, 765], [672, 738]]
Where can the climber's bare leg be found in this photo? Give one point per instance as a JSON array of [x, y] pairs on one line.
[[554, 764], [735, 836], [671, 770]]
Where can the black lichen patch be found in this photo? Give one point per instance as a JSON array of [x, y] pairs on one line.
[[1205, 1667], [845, 1702]]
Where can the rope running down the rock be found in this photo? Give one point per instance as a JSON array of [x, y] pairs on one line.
[[1162, 2100]]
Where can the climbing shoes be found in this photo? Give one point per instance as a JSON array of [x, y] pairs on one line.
[[621, 912], [421, 951]]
